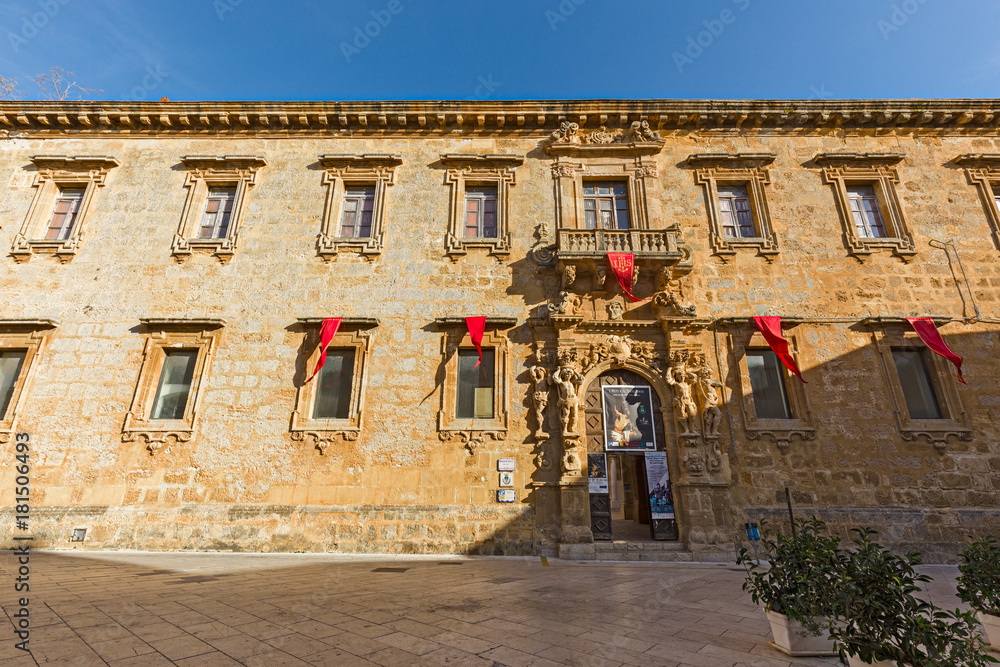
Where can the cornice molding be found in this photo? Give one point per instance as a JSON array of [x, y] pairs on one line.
[[369, 160], [708, 159], [848, 158], [77, 163], [220, 162], [480, 160], [60, 118]]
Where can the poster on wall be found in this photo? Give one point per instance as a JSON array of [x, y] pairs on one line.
[[597, 472], [628, 418], [661, 496]]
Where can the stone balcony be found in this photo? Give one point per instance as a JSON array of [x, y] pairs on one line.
[[662, 247]]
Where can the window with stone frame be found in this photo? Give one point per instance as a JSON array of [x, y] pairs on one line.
[[474, 400], [212, 218], [176, 358], [479, 206], [864, 186], [775, 403], [21, 345], [983, 171], [65, 188], [329, 408], [354, 212], [735, 186], [923, 387]]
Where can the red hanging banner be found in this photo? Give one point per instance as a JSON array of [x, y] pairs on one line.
[[623, 264], [924, 326], [477, 325], [327, 330], [770, 327]]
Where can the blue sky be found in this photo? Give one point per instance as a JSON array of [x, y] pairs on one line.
[[511, 49]]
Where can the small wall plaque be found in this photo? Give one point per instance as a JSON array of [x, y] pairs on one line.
[[506, 495], [506, 464], [506, 479]]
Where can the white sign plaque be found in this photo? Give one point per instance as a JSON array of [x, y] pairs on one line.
[[506, 464], [506, 495]]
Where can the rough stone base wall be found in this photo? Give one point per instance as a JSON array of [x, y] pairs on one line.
[[939, 535], [389, 529]]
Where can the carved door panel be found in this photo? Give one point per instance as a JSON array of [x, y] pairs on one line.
[[600, 516]]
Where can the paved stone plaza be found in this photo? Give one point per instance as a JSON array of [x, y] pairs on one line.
[[150, 609]]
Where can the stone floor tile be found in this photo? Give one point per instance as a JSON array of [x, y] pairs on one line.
[[463, 642], [178, 648], [240, 646], [273, 659], [123, 647], [145, 660], [394, 657], [298, 645], [452, 656], [337, 657], [567, 656], [264, 630], [213, 659], [409, 643]]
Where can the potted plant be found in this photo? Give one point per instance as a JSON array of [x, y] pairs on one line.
[[798, 588], [884, 624], [979, 584]]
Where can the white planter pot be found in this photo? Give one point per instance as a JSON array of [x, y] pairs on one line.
[[992, 626], [792, 639]]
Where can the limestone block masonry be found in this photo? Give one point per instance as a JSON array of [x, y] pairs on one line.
[[246, 468]]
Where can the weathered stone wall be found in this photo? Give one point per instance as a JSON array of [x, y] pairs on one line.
[[242, 483]]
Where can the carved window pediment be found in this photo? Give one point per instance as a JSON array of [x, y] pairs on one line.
[[455, 337], [57, 176], [23, 340], [464, 172], [875, 171], [354, 334], [375, 171], [983, 171], [892, 335], [205, 174], [637, 139], [781, 432], [166, 335], [747, 172]]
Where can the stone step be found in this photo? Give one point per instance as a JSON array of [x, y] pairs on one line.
[[621, 545]]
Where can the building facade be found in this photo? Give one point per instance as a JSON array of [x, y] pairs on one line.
[[170, 265]]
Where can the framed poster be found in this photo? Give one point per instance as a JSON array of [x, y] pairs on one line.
[[661, 496], [597, 472], [628, 418]]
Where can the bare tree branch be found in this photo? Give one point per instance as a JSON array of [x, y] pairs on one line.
[[9, 89], [60, 84]]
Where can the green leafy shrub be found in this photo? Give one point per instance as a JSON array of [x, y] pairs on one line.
[[879, 618], [802, 578], [979, 578]]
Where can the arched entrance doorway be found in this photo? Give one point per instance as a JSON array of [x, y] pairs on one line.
[[635, 501]]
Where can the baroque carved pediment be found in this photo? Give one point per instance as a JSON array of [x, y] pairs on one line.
[[638, 138]]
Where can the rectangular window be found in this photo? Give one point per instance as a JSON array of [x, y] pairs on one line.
[[64, 213], [475, 385], [218, 211], [333, 385], [737, 218], [10, 368], [359, 205], [866, 213], [605, 206], [911, 367], [481, 212], [767, 380], [996, 197], [175, 384]]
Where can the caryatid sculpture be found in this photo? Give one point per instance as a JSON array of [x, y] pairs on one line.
[[680, 379], [708, 393], [540, 396], [568, 381]]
